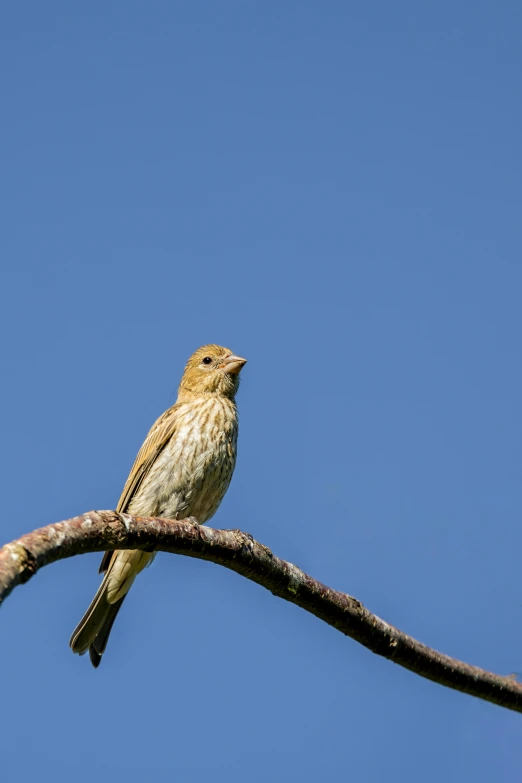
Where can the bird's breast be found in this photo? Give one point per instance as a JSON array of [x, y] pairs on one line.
[[192, 474]]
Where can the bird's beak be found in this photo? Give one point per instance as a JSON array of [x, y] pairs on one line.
[[233, 364]]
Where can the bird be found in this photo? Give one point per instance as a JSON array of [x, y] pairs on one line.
[[182, 470]]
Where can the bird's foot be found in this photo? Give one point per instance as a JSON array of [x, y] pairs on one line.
[[193, 521], [125, 519]]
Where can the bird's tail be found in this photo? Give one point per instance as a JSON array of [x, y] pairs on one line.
[[93, 630]]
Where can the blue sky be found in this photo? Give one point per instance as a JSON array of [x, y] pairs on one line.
[[332, 190]]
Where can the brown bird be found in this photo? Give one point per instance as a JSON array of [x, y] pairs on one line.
[[182, 470]]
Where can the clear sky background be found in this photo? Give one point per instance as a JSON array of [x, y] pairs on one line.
[[333, 190]]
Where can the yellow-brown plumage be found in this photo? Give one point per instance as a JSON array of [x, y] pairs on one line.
[[183, 469]]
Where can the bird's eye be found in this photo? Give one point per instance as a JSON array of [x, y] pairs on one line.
[[207, 360]]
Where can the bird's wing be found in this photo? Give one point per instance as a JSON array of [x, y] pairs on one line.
[[160, 433]]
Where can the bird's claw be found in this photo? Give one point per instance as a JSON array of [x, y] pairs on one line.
[[193, 521], [125, 519]]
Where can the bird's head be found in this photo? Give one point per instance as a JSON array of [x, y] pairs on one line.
[[212, 369]]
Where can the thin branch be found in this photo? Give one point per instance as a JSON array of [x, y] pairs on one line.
[[98, 531]]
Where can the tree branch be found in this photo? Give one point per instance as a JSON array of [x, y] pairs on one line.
[[98, 531]]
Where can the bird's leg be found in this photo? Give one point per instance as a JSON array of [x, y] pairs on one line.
[[192, 521]]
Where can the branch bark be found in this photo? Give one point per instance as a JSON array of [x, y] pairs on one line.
[[98, 531]]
